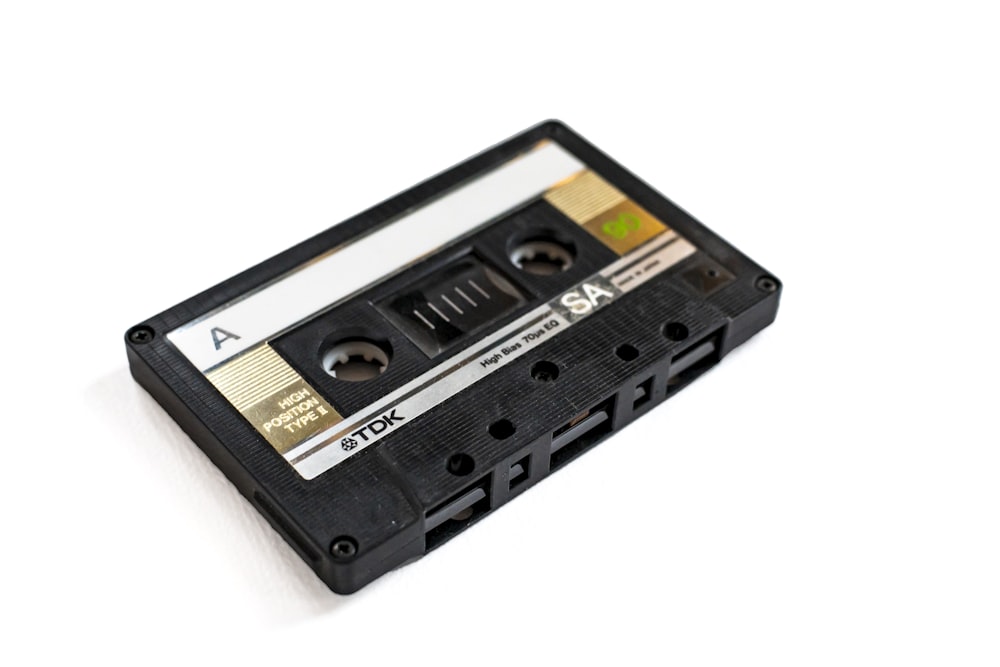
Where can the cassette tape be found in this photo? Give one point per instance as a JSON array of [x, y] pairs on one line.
[[378, 388]]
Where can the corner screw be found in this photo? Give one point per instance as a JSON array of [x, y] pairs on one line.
[[140, 335], [344, 548], [767, 284]]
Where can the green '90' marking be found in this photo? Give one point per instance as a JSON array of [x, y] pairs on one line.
[[621, 226]]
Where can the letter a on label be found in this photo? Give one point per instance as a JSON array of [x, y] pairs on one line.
[[220, 336]]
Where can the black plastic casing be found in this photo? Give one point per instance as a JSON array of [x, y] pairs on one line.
[[369, 514]]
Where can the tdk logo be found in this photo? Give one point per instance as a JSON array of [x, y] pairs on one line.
[[378, 425]]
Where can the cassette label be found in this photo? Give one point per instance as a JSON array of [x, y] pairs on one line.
[[434, 312]]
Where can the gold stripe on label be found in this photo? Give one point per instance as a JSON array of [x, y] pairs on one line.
[[273, 397], [605, 212], [584, 196]]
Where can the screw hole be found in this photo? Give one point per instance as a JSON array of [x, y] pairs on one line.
[[675, 331], [141, 335], [344, 548], [627, 352], [767, 284], [461, 464], [712, 273], [544, 371], [502, 429]]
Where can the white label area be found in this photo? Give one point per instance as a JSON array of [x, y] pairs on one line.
[[316, 285]]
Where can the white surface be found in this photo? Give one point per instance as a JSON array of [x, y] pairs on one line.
[[302, 293], [827, 496]]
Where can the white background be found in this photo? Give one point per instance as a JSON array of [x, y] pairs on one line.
[[829, 495]]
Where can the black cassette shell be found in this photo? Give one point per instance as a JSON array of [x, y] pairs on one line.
[[397, 499]]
